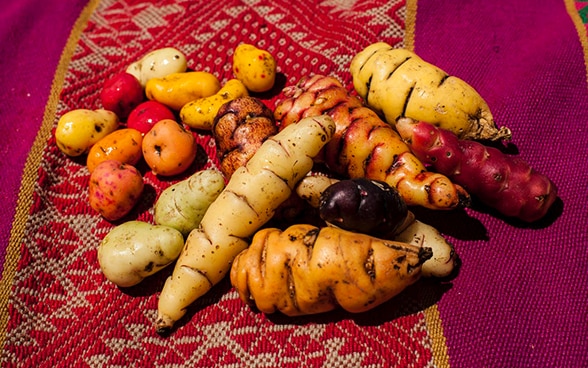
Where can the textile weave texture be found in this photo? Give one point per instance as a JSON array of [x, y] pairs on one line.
[[520, 297]]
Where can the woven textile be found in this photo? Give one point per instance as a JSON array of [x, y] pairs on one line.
[[519, 299]]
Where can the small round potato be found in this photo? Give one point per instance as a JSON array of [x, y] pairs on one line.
[[134, 250], [78, 130], [255, 67], [123, 145]]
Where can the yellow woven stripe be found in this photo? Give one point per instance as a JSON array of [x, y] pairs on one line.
[[32, 163], [435, 330], [410, 23], [580, 27]]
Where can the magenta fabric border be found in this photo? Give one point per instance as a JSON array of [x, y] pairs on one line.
[[520, 299], [32, 35]]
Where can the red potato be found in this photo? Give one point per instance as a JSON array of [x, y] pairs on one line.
[[169, 148], [121, 94], [115, 188], [505, 183], [147, 114]]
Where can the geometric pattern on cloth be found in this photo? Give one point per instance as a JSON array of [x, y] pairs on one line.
[[63, 312]]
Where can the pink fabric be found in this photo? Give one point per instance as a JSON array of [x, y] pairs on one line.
[[520, 299], [32, 37]]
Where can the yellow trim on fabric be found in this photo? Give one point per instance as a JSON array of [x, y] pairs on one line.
[[432, 317], [410, 23], [438, 341], [580, 27], [32, 163]]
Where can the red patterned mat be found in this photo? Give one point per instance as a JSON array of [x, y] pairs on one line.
[[62, 310]]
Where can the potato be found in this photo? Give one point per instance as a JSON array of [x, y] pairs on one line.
[[123, 145], [200, 113], [182, 205], [255, 67], [121, 93], [177, 89], [239, 129], [396, 83], [444, 260], [134, 250], [158, 64], [78, 130], [363, 205], [114, 189], [147, 114], [249, 201], [169, 148]]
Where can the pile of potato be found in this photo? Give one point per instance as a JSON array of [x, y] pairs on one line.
[[211, 223], [139, 121]]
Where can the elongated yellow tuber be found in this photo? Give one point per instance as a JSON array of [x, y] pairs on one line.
[[364, 146], [248, 201], [309, 270], [397, 83]]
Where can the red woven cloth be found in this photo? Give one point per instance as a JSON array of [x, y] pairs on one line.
[[519, 299]]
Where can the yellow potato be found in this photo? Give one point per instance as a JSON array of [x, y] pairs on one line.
[[255, 67], [247, 202], [200, 113], [397, 83], [78, 130], [177, 89]]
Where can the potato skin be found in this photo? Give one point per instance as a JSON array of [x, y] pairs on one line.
[[157, 64], [134, 250], [200, 113], [114, 189], [505, 183], [78, 130], [123, 145], [363, 205], [169, 148], [307, 270], [147, 114], [255, 67], [239, 129], [177, 89], [182, 205], [121, 93], [397, 83]]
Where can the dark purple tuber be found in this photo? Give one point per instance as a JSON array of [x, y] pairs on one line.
[[363, 205]]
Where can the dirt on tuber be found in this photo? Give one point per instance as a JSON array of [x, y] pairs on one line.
[[502, 182], [366, 146]]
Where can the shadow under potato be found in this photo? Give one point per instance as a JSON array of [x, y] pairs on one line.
[[414, 299]]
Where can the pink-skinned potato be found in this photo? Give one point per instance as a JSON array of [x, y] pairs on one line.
[[503, 182], [121, 93], [147, 114], [115, 188]]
